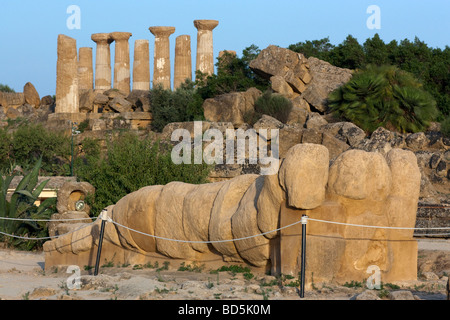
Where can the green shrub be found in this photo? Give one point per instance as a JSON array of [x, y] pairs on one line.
[[181, 105], [5, 88], [32, 141], [130, 164], [445, 127], [233, 75], [5, 150], [271, 104], [384, 96]]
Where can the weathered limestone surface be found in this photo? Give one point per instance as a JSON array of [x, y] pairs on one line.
[[122, 61], [309, 79], [141, 65], [85, 69], [31, 95], [205, 45], [183, 60], [67, 76], [103, 72], [161, 66], [359, 188], [231, 107]]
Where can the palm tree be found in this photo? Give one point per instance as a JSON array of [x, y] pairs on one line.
[[384, 96]]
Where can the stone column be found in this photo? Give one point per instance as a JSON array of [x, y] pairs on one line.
[[67, 76], [161, 68], [183, 61], [205, 49], [102, 61], [122, 61], [85, 69], [141, 65]]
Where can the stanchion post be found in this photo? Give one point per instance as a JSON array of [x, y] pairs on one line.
[[100, 241], [303, 261]]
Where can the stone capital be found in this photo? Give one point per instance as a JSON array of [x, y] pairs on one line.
[[162, 31], [102, 38], [206, 24], [117, 36]]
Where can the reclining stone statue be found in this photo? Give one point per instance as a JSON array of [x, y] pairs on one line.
[[357, 207]]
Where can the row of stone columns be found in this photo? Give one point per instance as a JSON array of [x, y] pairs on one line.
[[73, 74]]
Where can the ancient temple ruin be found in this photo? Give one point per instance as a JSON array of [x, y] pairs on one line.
[[75, 72]]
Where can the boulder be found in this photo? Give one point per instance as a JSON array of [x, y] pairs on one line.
[[315, 121], [101, 99], [31, 95], [280, 86], [231, 107], [335, 146], [305, 165], [417, 141], [401, 295], [382, 140], [87, 98], [297, 116], [289, 137], [12, 99], [368, 295], [140, 99], [347, 132], [287, 64], [268, 122], [114, 93], [325, 79], [47, 101], [120, 105]]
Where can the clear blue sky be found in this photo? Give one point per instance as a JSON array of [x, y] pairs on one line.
[[29, 28]]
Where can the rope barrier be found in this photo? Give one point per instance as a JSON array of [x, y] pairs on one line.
[[206, 242], [44, 220], [46, 238], [378, 227], [215, 241]]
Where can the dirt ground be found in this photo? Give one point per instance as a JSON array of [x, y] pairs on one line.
[[22, 277]]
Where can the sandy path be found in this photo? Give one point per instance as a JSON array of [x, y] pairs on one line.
[[22, 276]]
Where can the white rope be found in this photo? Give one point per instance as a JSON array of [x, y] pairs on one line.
[[268, 232], [218, 241], [206, 242], [46, 238], [378, 227], [45, 220]]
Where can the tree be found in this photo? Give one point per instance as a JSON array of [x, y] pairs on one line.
[[376, 51], [5, 88], [384, 96], [321, 49], [233, 75], [349, 54]]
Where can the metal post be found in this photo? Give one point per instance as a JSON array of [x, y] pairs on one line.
[[100, 241], [303, 261]]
